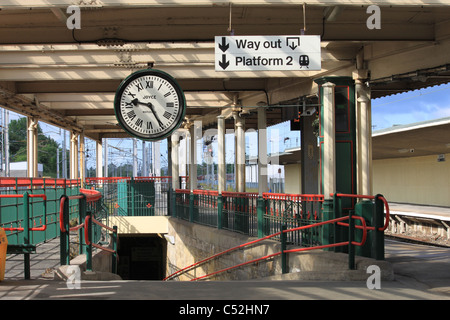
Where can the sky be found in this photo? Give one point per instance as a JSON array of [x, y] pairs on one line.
[[410, 107]]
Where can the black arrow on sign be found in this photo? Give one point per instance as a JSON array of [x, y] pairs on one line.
[[224, 45], [224, 63]]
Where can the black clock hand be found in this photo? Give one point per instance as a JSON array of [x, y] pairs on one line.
[[150, 106], [136, 102], [155, 114]]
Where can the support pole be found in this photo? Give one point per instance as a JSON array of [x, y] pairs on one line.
[[240, 152], [329, 157], [328, 160], [99, 159], [222, 169], [262, 152], [194, 133], [82, 160], [32, 142], [73, 155], [175, 139], [363, 127], [221, 154], [26, 237]]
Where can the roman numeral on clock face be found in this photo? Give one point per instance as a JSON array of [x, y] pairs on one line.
[[131, 114], [167, 115]]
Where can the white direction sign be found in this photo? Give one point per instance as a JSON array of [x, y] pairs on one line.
[[267, 53]]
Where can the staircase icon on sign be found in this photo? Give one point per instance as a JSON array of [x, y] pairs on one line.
[[293, 42]]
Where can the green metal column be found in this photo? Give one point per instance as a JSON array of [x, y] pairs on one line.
[[328, 229], [365, 209], [64, 236], [89, 246], [260, 210], [283, 236], [172, 201], [192, 198], [219, 211], [26, 231], [114, 255], [81, 217], [132, 196], [345, 150], [351, 235], [378, 236]]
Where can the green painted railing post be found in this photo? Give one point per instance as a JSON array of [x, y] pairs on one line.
[[351, 248], [89, 240], [191, 207], [64, 235], [219, 211], [338, 231], [114, 256], [283, 236], [260, 210], [173, 207], [365, 209], [81, 217], [378, 236], [26, 231], [327, 231], [133, 200]]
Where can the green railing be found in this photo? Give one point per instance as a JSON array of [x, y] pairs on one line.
[[239, 213], [12, 213], [139, 196], [255, 216], [29, 212], [249, 214], [293, 211], [183, 205], [91, 231], [307, 221]]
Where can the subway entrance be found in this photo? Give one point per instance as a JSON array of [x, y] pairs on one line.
[[141, 257]]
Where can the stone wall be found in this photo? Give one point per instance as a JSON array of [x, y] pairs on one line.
[[193, 243]]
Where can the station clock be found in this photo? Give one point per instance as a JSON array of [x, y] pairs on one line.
[[149, 104]]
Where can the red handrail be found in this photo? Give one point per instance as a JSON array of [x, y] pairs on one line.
[[86, 233], [36, 182], [295, 197], [206, 192], [285, 251], [222, 253], [274, 254], [386, 206], [91, 196], [240, 194], [184, 191]]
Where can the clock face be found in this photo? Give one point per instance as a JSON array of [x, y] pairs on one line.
[[149, 105]]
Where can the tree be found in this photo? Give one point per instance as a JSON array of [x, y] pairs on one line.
[[47, 147]]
